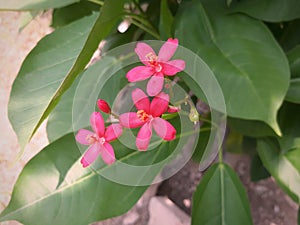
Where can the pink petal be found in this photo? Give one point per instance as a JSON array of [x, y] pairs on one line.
[[97, 123], [164, 129], [167, 50], [107, 153], [144, 51], [90, 155], [139, 73], [130, 120], [113, 132], [82, 135], [159, 104], [172, 67], [155, 84], [140, 100], [143, 137]]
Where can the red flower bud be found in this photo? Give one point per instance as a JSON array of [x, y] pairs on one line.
[[103, 106], [173, 109]]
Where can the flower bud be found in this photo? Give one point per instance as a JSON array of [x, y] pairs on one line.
[[194, 115], [103, 106], [173, 109]]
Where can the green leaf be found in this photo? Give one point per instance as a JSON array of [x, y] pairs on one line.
[[272, 11], [83, 197], [70, 13], [251, 68], [66, 193], [284, 167], [257, 170], [60, 121], [217, 196], [294, 61], [281, 155], [166, 21], [293, 94], [250, 128], [42, 73], [42, 79], [27, 5]]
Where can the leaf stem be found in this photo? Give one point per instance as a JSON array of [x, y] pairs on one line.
[[98, 2], [147, 29]]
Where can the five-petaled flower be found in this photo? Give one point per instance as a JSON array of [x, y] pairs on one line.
[[156, 66], [148, 116], [98, 140]]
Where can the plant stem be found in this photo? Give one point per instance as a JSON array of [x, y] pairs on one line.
[[220, 154], [98, 2], [148, 30]]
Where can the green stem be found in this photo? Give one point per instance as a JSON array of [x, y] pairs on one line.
[[148, 30], [220, 155], [98, 2]]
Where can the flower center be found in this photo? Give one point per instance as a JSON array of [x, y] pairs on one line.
[[94, 138], [91, 139], [152, 58], [102, 140], [142, 115]]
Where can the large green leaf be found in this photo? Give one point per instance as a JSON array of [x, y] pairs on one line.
[[219, 194], [268, 10], [60, 120], [33, 4], [53, 65], [250, 128], [281, 155], [53, 188], [284, 167], [251, 68], [70, 13]]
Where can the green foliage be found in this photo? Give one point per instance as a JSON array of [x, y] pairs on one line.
[[244, 57], [166, 21], [60, 121], [33, 4], [70, 13], [42, 74], [82, 190], [281, 155], [217, 196], [248, 72], [68, 59], [272, 11]]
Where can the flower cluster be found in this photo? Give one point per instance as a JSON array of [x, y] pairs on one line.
[[148, 114]]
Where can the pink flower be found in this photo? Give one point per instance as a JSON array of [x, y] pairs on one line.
[[98, 140], [156, 67], [103, 106], [148, 116]]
